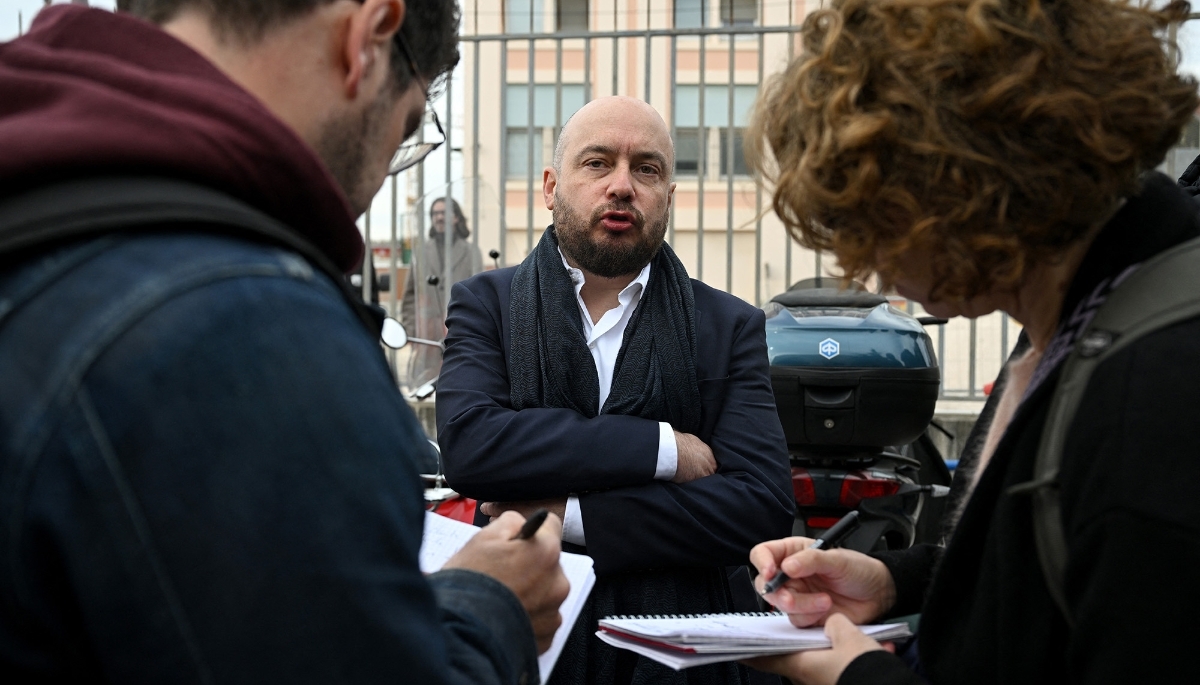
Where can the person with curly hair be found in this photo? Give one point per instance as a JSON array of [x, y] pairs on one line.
[[984, 155]]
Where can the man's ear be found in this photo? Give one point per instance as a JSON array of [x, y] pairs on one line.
[[549, 183], [369, 32], [671, 194]]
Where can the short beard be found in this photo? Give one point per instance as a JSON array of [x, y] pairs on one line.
[[604, 259], [346, 144]]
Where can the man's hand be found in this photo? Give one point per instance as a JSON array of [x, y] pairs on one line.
[[558, 507], [821, 666], [822, 582], [695, 459], [529, 568]]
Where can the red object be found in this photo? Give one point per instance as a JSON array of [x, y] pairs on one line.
[[857, 486], [987, 388], [802, 487], [821, 521], [457, 508]]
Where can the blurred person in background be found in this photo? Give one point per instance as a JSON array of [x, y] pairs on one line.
[[423, 310], [999, 155], [208, 468]]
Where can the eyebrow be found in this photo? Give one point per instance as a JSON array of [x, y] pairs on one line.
[[606, 150]]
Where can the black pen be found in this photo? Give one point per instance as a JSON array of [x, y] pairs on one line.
[[531, 525], [832, 537]]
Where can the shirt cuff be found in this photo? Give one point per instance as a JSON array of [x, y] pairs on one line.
[[573, 523], [668, 453]]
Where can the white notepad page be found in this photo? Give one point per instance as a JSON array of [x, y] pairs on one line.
[[443, 537]]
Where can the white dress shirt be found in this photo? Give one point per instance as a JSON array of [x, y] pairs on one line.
[[604, 341]]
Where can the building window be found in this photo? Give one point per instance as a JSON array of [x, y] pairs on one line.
[[689, 14], [740, 168], [739, 12], [688, 147], [547, 98], [524, 16], [572, 15], [692, 141]]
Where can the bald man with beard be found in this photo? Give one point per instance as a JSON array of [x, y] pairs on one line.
[[598, 380]]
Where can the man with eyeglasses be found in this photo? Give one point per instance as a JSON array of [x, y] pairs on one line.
[[207, 471]]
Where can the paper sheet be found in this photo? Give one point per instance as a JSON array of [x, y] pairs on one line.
[[443, 537]]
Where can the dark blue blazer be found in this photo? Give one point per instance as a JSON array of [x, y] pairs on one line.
[[632, 521]]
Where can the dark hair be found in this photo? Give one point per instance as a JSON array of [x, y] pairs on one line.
[[461, 232], [430, 27], [990, 133]]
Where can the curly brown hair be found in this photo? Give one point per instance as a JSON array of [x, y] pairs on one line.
[[989, 133]]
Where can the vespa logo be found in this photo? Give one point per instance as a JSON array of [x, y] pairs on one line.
[[829, 348]]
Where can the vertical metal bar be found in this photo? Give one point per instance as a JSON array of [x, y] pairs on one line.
[[703, 164], [529, 148], [971, 368], [502, 190], [817, 270], [20, 23], [729, 166], [558, 78], [447, 206], [475, 145], [615, 48], [942, 358], [366, 263], [1003, 337], [647, 60], [587, 69], [393, 271], [758, 198], [674, 117], [791, 54]]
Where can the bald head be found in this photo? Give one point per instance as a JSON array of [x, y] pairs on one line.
[[617, 110]]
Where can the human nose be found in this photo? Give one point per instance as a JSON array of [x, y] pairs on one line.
[[620, 183]]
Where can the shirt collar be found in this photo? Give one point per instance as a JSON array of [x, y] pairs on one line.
[[630, 293]]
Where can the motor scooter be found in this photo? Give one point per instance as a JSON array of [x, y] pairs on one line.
[[856, 382], [439, 498]]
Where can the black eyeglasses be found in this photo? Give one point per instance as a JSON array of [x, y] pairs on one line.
[[411, 154]]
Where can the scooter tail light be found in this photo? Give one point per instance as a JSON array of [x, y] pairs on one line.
[[802, 488], [858, 486]]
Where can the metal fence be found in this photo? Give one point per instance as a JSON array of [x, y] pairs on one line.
[[506, 102], [513, 91]]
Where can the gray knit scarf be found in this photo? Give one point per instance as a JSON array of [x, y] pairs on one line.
[[549, 364]]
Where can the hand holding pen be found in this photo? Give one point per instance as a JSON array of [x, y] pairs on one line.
[[829, 539], [816, 581]]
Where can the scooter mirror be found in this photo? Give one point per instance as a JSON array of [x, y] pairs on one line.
[[393, 334]]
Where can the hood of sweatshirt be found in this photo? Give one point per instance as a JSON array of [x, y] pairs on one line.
[[88, 93]]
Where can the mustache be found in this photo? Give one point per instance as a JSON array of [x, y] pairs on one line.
[[639, 219]]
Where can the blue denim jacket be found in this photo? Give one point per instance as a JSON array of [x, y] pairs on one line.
[[206, 476]]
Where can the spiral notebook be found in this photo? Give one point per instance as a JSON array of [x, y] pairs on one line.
[[694, 640], [443, 537]]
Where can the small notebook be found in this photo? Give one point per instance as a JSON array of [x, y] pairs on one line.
[[685, 641], [444, 537]]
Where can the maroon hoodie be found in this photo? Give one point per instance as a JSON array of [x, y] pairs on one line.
[[87, 92]]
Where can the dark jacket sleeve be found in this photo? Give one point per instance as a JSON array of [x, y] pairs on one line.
[[495, 453], [248, 462], [713, 520], [911, 570], [878, 668]]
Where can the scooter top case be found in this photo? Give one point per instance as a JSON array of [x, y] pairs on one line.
[[850, 372]]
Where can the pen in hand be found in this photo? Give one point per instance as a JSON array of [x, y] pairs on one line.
[[831, 537], [530, 528]]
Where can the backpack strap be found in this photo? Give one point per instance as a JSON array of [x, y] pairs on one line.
[[92, 207], [1163, 291]]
